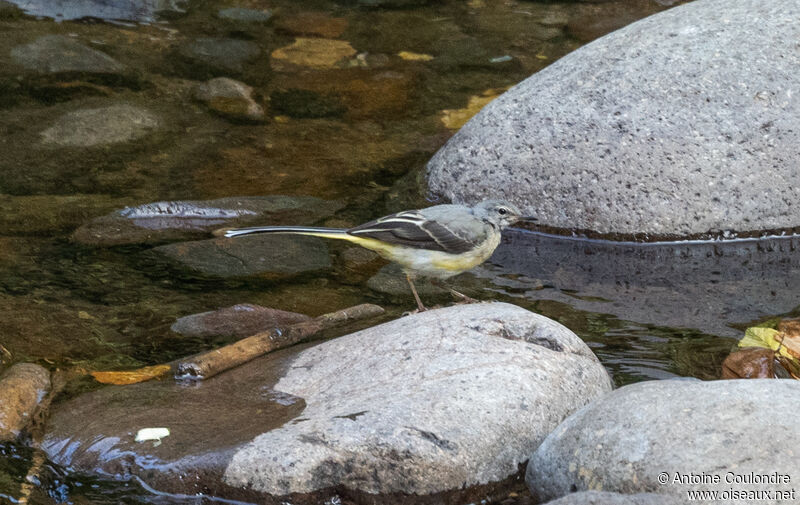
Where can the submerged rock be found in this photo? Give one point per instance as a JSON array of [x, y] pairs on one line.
[[50, 54], [316, 24], [230, 98], [22, 388], [241, 320], [45, 214], [301, 103], [157, 222], [443, 404], [605, 139], [241, 15], [630, 440], [311, 53], [270, 256], [104, 126], [219, 56]]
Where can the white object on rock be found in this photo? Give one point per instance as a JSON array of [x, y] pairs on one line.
[[156, 434]]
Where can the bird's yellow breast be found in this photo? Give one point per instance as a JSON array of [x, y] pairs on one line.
[[432, 263]]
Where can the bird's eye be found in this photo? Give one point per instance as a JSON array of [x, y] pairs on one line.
[[502, 211]]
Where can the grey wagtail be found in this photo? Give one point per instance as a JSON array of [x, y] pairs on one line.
[[439, 241]]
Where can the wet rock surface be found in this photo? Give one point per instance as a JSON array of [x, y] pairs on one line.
[[240, 320], [100, 127], [52, 54], [96, 432], [22, 387], [272, 256], [627, 440], [158, 222], [609, 142], [464, 392]]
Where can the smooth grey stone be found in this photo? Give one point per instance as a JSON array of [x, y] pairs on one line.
[[459, 393], [626, 441], [104, 126], [240, 320], [51, 54], [230, 98], [656, 129]]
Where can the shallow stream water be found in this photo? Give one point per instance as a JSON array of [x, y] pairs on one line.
[[357, 128]]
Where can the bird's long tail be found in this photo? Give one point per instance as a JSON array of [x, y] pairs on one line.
[[334, 233]]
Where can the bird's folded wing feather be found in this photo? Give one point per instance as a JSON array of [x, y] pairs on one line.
[[412, 229]]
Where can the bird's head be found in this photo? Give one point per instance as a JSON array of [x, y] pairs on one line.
[[500, 213]]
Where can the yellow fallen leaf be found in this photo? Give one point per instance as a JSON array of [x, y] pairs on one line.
[[787, 346], [132, 376], [311, 53], [456, 118], [409, 56], [541, 56]]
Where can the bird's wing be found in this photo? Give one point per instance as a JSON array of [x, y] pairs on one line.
[[413, 229]]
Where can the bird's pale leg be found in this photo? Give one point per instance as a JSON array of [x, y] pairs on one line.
[[416, 296], [464, 298]]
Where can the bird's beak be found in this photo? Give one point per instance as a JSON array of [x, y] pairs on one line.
[[527, 218]]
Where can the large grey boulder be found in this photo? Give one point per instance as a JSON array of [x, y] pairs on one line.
[[445, 404], [658, 128], [457, 393], [664, 436]]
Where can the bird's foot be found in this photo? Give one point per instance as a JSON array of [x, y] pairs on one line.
[[417, 311], [462, 298]]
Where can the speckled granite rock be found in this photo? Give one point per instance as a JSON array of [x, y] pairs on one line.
[[657, 128], [646, 436]]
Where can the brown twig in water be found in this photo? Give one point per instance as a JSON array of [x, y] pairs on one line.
[[211, 363]]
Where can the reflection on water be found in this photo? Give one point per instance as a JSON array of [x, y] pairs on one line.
[[711, 287], [656, 310]]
